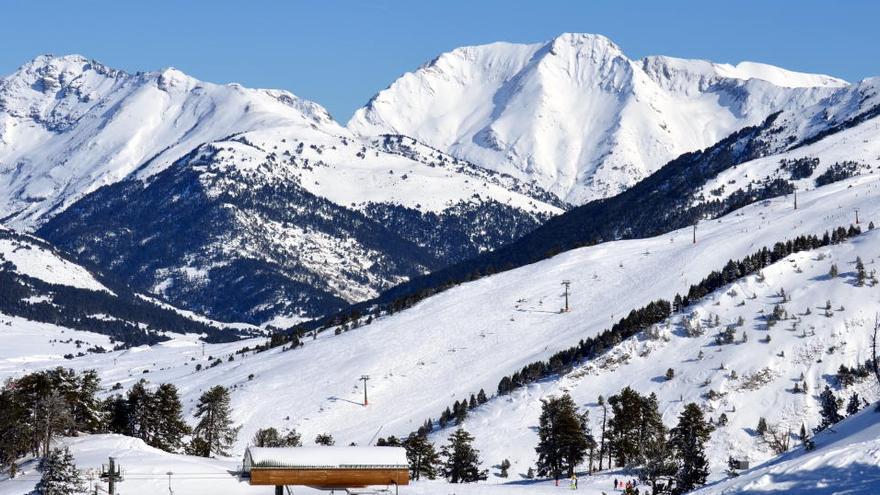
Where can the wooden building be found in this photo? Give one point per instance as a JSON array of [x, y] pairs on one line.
[[326, 468]]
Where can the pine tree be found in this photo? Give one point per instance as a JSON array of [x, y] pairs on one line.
[[861, 274], [670, 374], [659, 458], [853, 405], [116, 410], [54, 418], [214, 434], [563, 440], [462, 461], [88, 411], [59, 475], [602, 444], [270, 437], [142, 419], [423, 458], [324, 439], [625, 425], [481, 397], [828, 409], [833, 272], [689, 439], [170, 428], [762, 426], [505, 465]]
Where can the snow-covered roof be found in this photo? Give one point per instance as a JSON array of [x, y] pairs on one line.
[[326, 457]]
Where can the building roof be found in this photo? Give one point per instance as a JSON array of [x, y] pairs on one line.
[[326, 457]]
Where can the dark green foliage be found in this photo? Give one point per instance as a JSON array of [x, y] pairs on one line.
[[461, 462], [39, 406], [324, 439], [688, 439], [505, 465], [762, 426], [799, 168], [854, 404], [269, 437], [214, 433], [829, 409], [563, 437], [839, 171], [423, 459], [861, 274], [170, 427]]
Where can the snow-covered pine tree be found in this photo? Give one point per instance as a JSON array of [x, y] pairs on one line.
[[59, 475], [462, 460], [689, 438], [214, 434]]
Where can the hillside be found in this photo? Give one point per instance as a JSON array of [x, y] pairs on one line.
[[575, 114], [750, 165], [44, 292], [518, 323], [243, 204]]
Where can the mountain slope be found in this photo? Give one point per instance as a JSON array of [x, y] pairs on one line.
[[750, 165], [846, 460], [247, 205], [575, 114], [41, 287]]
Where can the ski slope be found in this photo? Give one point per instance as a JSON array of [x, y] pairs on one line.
[[451, 345]]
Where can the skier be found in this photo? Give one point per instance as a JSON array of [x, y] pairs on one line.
[[615, 483], [572, 484]]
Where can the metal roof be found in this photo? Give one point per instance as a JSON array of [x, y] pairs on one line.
[[326, 458]]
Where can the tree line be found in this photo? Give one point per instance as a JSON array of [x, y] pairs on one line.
[[41, 406]]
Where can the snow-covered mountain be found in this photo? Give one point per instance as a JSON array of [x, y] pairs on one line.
[[247, 205], [575, 114]]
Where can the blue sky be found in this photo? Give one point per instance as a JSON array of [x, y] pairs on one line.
[[339, 53]]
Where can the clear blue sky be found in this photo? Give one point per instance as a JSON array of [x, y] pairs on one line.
[[339, 53]]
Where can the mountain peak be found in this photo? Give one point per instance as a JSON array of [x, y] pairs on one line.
[[585, 42]]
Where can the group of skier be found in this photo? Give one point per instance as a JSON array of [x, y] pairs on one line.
[[626, 486]]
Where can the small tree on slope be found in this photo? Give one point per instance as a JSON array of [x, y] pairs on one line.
[[59, 475], [462, 461], [689, 439], [828, 409], [214, 434]]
